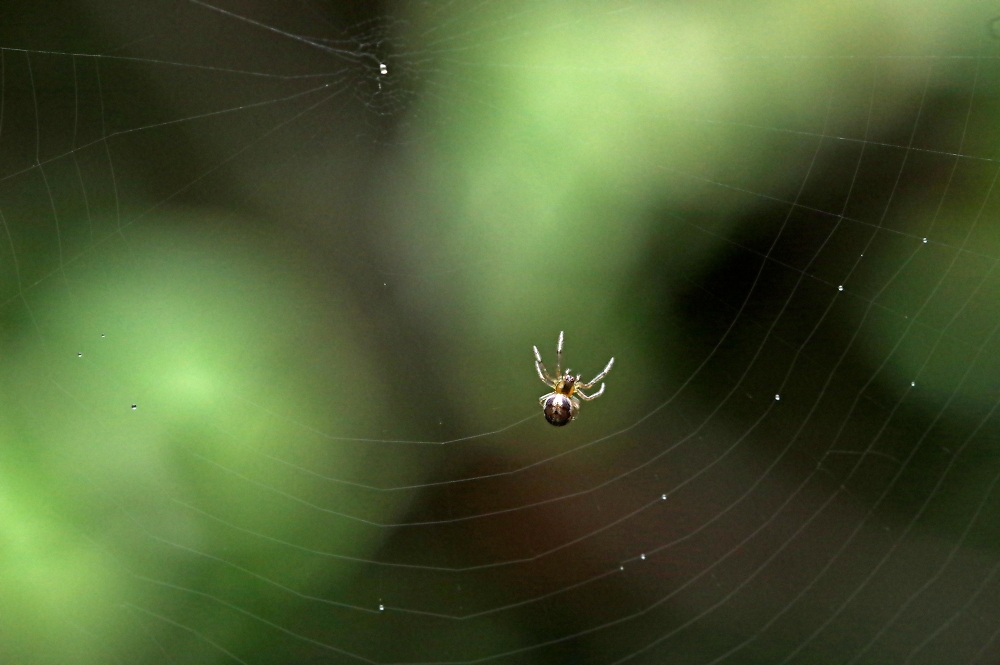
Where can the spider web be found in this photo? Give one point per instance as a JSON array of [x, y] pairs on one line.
[[271, 275]]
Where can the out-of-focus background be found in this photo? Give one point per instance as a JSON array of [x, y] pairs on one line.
[[271, 272]]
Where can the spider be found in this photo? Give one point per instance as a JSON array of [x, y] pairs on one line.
[[561, 405]]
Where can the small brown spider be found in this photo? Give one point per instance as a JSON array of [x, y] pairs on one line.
[[561, 405]]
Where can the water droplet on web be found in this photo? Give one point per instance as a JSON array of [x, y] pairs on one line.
[[777, 398], [135, 406], [642, 556], [382, 68], [79, 355], [663, 496], [925, 241], [621, 567], [381, 607], [913, 384], [102, 334], [840, 288]]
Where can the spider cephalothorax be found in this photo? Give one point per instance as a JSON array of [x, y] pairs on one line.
[[561, 406]]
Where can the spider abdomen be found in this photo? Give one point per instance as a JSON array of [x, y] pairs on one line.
[[558, 409]]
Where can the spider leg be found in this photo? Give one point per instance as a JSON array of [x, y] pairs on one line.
[[576, 407], [584, 396], [542, 372], [599, 376], [559, 354], [541, 400]]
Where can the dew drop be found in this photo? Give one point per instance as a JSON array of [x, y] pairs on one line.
[[840, 288], [642, 556], [135, 406], [777, 398], [913, 384], [382, 68], [621, 567], [925, 241], [79, 355], [381, 607], [102, 334], [663, 496]]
